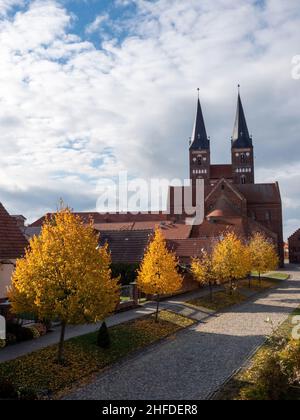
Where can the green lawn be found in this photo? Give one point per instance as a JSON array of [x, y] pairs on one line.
[[38, 371], [237, 388], [221, 300], [275, 275]]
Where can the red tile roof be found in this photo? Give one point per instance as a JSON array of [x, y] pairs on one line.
[[12, 241], [170, 230], [208, 230], [99, 218], [221, 171]]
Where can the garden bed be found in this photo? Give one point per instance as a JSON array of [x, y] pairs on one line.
[[221, 300], [246, 384], [38, 371]]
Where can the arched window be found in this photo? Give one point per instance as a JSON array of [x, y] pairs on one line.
[[243, 179], [243, 158], [199, 160], [268, 215]]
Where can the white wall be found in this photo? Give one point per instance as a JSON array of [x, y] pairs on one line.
[[6, 271]]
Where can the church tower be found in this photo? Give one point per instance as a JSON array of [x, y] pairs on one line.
[[242, 148], [199, 149]]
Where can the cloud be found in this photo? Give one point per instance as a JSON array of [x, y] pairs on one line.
[[7, 5], [96, 25], [72, 113]]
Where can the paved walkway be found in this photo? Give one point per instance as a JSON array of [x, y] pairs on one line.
[[176, 304], [200, 359]]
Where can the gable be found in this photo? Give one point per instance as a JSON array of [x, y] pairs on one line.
[[231, 197], [12, 241]]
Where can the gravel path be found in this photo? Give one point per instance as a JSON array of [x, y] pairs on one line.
[[199, 360]]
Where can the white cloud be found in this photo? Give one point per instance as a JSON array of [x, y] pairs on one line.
[[70, 113], [96, 25], [7, 5]]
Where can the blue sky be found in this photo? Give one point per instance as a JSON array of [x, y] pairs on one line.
[[89, 88]]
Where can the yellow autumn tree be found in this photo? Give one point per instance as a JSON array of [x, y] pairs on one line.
[[231, 260], [204, 272], [158, 274], [263, 254], [65, 275]]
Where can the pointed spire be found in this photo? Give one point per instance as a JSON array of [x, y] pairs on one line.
[[199, 138], [240, 137]]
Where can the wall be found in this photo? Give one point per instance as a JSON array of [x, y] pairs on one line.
[[6, 271]]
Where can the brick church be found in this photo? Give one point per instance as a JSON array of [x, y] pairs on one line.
[[232, 201]]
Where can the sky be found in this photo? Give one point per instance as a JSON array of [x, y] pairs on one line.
[[89, 88]]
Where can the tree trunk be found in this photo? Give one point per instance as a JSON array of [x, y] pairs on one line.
[[211, 291], [249, 281], [259, 276], [157, 308], [231, 287], [60, 356]]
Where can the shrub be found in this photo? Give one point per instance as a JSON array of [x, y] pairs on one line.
[[21, 333], [2, 343], [12, 327], [47, 324], [24, 334], [41, 328], [27, 394], [271, 383], [10, 339], [7, 390], [34, 331], [103, 338], [290, 362]]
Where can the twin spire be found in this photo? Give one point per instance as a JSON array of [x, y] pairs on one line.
[[199, 138], [240, 138]]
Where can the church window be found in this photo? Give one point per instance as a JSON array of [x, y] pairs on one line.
[[243, 158], [243, 179], [268, 215], [199, 160]]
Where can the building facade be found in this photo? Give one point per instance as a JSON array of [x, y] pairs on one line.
[[294, 248], [12, 246]]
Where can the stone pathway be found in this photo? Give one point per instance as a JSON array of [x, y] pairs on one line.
[[199, 360]]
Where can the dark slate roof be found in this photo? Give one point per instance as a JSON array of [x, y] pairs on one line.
[[199, 139], [260, 193], [12, 241], [295, 237], [126, 246], [241, 138]]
